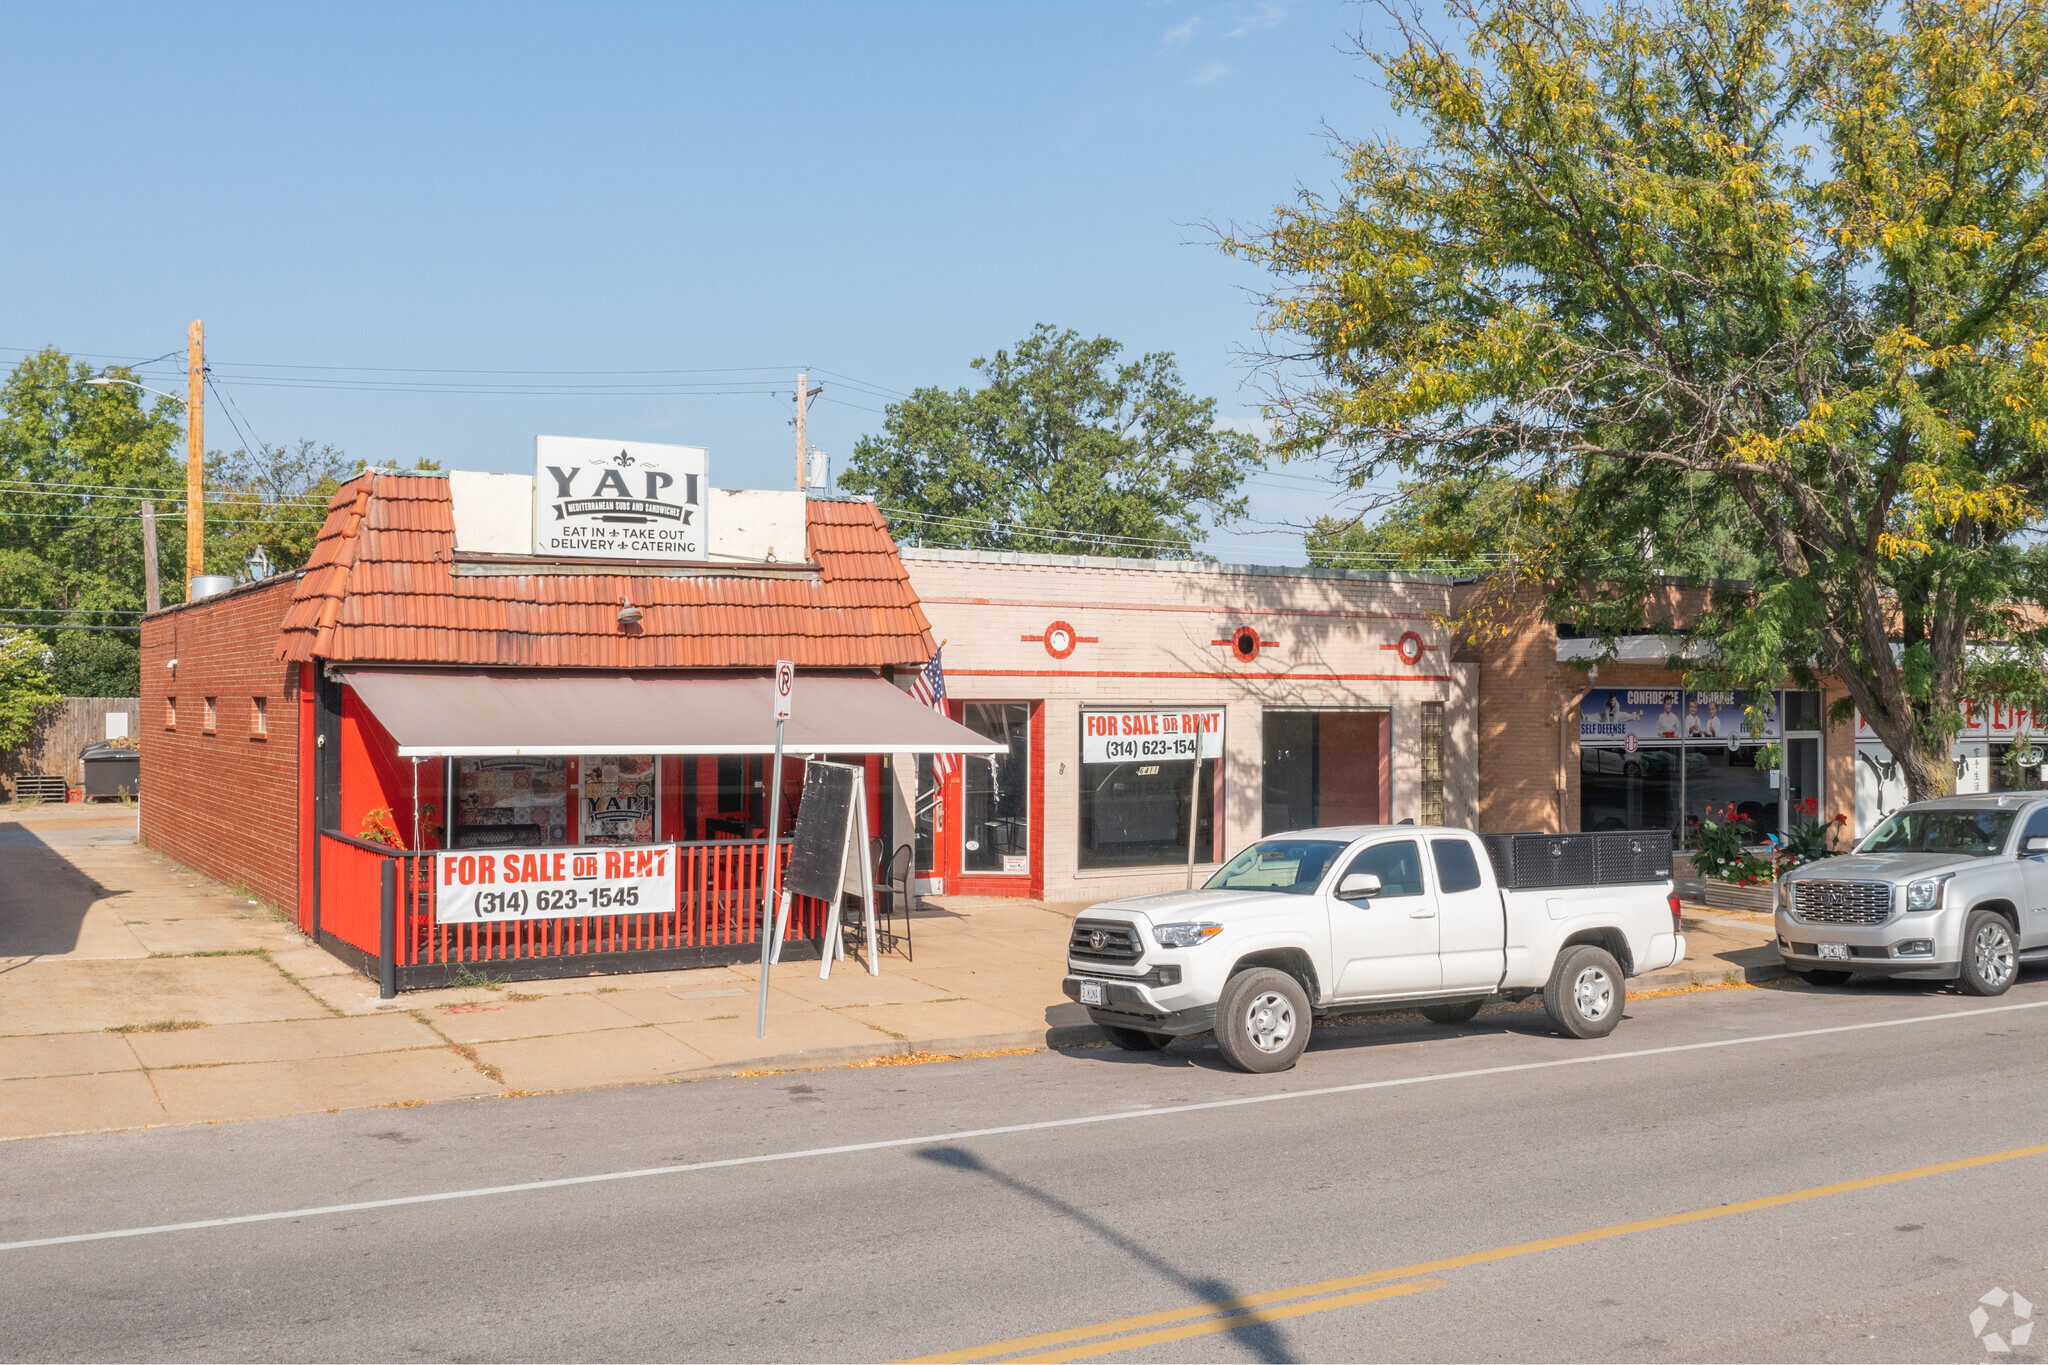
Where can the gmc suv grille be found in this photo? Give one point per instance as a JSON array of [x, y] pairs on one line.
[[1098, 940], [1819, 902]]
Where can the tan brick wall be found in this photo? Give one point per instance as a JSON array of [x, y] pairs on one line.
[[1148, 639], [1521, 694], [226, 801]]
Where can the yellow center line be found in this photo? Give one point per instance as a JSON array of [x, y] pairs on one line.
[[1237, 1320], [1472, 1258]]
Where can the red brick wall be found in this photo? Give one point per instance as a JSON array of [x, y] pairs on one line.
[[225, 802]]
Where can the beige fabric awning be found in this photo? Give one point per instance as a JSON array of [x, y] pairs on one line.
[[449, 712]]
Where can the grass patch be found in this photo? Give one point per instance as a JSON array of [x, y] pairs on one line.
[[462, 1050], [524, 996], [467, 977], [714, 1018], [159, 1026]]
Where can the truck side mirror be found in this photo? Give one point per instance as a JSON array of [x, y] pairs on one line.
[[2037, 843], [1359, 886]]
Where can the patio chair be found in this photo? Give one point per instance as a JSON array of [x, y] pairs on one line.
[[892, 899]]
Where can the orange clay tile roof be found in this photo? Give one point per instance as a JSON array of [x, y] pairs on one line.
[[380, 588]]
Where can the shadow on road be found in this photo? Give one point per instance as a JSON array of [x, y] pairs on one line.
[[1260, 1340], [43, 898]]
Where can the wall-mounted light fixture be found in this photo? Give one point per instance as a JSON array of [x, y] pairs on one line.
[[629, 615]]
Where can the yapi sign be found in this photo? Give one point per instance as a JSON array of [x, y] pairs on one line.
[[553, 883], [618, 499]]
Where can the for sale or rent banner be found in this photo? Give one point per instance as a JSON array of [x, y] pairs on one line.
[[483, 885], [1159, 735]]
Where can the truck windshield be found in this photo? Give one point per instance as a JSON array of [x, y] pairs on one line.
[[1295, 866], [1979, 833]]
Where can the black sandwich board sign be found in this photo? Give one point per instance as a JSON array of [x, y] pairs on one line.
[[828, 858]]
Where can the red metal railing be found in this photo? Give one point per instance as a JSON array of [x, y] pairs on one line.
[[718, 905]]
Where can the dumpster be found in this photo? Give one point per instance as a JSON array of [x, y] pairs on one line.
[[111, 772]]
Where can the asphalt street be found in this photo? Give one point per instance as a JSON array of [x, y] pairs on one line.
[[1762, 1174]]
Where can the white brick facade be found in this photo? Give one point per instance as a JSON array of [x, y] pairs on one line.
[[1158, 633]]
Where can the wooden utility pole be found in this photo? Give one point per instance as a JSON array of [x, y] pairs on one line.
[[804, 394], [152, 595], [195, 453], [803, 384]]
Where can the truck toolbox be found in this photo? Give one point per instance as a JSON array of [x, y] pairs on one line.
[[1523, 862]]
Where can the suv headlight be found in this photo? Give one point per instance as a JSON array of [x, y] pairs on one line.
[[1184, 935], [1927, 893]]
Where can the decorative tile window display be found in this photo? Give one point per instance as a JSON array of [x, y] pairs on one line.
[[523, 793]]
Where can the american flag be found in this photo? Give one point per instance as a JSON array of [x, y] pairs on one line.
[[929, 687]]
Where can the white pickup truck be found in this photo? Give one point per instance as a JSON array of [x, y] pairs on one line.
[[1325, 921]]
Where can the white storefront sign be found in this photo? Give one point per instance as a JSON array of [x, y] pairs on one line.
[[618, 499], [1136, 736], [486, 885]]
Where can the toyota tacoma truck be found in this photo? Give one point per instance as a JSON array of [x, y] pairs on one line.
[[1326, 921], [1947, 890]]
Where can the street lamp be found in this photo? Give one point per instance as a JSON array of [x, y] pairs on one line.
[[104, 382]]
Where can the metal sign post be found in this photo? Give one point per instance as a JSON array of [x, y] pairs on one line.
[[1209, 744], [771, 924]]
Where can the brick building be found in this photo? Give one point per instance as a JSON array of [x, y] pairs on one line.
[[1339, 697], [428, 683]]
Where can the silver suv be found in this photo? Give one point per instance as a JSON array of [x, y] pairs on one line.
[[1955, 889]]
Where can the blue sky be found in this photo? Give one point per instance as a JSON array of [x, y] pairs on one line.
[[877, 192]]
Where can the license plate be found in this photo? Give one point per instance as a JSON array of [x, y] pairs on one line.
[[1091, 992], [1834, 952]]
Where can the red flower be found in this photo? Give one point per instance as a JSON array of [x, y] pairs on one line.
[[1841, 819]]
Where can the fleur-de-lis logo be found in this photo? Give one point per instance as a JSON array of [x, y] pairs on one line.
[[622, 459]]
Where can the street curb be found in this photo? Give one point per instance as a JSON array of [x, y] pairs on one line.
[[1063, 1035], [1679, 978]]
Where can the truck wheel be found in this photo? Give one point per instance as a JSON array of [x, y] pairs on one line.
[[1991, 961], [1262, 1021], [1823, 978], [1459, 1013], [1135, 1040], [1586, 992]]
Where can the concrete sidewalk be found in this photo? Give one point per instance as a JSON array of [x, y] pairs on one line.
[[135, 992]]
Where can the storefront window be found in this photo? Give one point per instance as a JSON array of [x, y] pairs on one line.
[[617, 799], [928, 810], [1136, 814], [1621, 790], [501, 802], [1665, 758], [995, 828], [2017, 766], [1718, 779]]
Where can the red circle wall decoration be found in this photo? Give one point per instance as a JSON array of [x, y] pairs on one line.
[[1409, 647], [1244, 643], [1060, 639]]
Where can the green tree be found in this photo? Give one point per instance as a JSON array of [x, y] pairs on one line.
[[1728, 254], [1065, 449], [1461, 526], [96, 663], [25, 688], [76, 461], [276, 498]]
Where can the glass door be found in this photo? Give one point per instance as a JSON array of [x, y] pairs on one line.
[[995, 825]]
